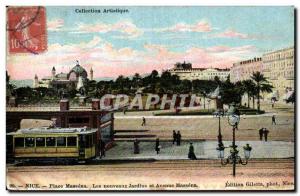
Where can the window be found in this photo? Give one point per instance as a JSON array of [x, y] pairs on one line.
[[85, 141], [82, 141], [71, 141], [40, 142], [29, 142], [50, 141], [94, 139], [19, 142], [78, 120], [61, 141]]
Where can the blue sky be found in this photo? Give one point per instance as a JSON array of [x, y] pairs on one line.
[[271, 23], [147, 38]]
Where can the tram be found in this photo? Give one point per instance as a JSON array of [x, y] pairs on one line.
[[47, 143]]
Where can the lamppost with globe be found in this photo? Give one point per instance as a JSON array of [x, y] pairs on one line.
[[219, 113], [233, 158]]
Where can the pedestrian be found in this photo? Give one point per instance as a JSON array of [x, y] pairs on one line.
[[191, 154], [144, 122], [157, 146], [266, 132], [178, 138], [261, 132], [273, 120], [174, 136], [102, 149], [136, 148]]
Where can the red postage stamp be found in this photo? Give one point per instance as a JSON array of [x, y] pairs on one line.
[[26, 28]]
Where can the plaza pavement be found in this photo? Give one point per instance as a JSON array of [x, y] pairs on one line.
[[203, 149], [206, 128]]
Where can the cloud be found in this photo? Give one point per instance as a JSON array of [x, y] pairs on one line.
[[222, 49], [231, 33], [125, 27], [55, 25], [200, 26], [110, 61]]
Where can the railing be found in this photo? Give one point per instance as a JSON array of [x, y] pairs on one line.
[[45, 107]]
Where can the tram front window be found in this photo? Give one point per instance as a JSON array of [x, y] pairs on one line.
[[19, 142], [85, 141]]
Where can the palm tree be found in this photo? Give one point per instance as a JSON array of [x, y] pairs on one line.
[[240, 89], [261, 85], [249, 86]]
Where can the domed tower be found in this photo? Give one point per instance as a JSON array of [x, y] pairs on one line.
[[36, 81], [91, 74], [53, 72], [77, 71]]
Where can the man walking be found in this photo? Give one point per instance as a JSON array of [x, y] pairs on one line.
[[266, 132], [144, 122], [191, 154], [273, 120], [178, 139], [261, 132], [174, 136]]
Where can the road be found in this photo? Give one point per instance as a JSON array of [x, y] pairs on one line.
[[259, 174]]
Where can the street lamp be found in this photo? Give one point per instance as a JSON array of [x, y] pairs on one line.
[[219, 114], [233, 158]]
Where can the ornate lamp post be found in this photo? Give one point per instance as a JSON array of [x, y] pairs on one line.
[[233, 158], [219, 114]]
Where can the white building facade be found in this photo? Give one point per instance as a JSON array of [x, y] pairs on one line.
[[243, 70], [279, 68], [199, 73]]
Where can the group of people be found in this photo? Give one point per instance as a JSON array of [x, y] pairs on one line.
[[176, 137], [263, 132]]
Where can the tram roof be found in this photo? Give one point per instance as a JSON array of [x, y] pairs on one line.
[[45, 130]]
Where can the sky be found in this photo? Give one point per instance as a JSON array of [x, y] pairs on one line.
[[147, 38]]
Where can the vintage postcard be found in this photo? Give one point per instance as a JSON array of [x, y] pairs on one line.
[[157, 98]]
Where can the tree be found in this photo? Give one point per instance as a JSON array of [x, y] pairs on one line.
[[25, 94], [230, 92], [91, 87], [119, 84], [240, 88], [136, 80], [261, 85], [151, 81], [249, 87], [204, 87]]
